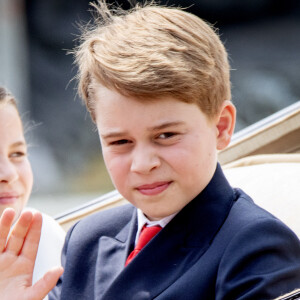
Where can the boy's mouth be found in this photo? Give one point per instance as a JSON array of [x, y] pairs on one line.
[[153, 188]]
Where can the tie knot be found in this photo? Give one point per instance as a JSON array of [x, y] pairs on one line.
[[146, 235]]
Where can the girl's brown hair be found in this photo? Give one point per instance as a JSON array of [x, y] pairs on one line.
[[6, 97]]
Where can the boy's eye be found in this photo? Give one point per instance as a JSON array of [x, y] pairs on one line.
[[119, 142], [166, 135]]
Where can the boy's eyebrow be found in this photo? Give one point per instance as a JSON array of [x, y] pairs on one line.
[[165, 125], [114, 134]]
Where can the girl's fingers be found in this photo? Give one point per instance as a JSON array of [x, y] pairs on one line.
[[5, 225], [43, 286], [31, 244], [19, 232]]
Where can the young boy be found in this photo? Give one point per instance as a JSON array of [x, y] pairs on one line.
[[156, 82]]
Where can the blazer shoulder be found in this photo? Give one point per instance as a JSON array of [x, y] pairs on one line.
[[260, 251], [119, 214], [247, 209], [265, 255], [248, 226], [246, 219], [108, 222]]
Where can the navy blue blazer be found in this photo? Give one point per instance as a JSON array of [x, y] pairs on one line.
[[220, 246]]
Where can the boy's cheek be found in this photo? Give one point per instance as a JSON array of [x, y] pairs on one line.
[[116, 167], [108, 159]]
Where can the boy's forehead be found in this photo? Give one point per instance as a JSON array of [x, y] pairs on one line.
[[106, 97], [123, 115], [112, 106], [112, 131]]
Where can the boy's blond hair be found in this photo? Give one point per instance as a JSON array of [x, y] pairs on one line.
[[151, 52]]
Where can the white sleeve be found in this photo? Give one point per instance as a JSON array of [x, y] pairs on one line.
[[50, 247]]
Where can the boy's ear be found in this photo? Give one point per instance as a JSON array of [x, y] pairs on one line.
[[225, 124]]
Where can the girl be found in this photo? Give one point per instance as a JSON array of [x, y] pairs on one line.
[[16, 182]]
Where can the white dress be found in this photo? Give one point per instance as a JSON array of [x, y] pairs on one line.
[[50, 247]]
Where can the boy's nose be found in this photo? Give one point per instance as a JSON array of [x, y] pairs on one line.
[[8, 172], [144, 160]]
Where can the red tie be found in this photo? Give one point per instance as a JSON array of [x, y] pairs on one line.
[[146, 235]]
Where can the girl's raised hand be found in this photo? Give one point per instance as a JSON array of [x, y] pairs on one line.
[[18, 251]]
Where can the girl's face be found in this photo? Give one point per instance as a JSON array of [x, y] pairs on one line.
[[16, 177]]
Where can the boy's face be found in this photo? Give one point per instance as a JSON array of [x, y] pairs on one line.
[[159, 154]]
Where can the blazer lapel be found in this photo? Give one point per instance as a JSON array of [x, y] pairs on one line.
[[177, 247], [112, 254]]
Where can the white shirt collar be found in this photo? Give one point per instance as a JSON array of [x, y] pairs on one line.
[[142, 220]]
